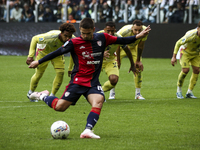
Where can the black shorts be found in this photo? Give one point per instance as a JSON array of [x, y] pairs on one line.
[[74, 91]]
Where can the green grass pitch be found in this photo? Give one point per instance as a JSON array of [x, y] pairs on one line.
[[160, 122]]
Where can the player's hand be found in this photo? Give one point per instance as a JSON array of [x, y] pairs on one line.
[[134, 70], [173, 61], [139, 65], [106, 54], [69, 73], [143, 33], [29, 60], [34, 64], [119, 64]]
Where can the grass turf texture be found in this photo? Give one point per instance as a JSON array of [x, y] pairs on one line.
[[160, 122]]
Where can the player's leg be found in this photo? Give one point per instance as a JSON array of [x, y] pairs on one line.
[[112, 91], [59, 65], [95, 97], [39, 71], [69, 97], [112, 72], [138, 82], [184, 61], [194, 77]]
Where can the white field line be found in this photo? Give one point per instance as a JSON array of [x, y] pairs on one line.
[[20, 106]]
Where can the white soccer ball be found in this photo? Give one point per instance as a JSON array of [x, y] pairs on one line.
[[60, 130]]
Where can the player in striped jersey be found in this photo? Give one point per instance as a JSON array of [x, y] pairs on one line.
[[136, 49], [189, 56], [44, 44]]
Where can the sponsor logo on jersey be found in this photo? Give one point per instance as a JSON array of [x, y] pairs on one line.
[[82, 47], [89, 55], [93, 62], [99, 43]]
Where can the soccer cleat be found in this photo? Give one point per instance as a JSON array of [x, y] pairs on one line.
[[112, 95], [190, 95], [139, 96], [179, 95], [87, 133], [36, 95], [31, 100]]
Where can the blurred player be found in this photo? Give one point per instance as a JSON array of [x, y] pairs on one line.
[[44, 44], [189, 55], [136, 50], [87, 52]]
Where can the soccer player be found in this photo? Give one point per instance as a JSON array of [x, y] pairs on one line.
[[189, 56], [136, 50], [109, 63], [44, 44], [87, 52]]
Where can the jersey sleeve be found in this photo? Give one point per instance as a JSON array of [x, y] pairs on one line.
[[71, 64], [33, 45], [67, 47], [185, 39]]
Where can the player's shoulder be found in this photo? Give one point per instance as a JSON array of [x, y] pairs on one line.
[[73, 36], [144, 27], [125, 30], [192, 32], [48, 35], [101, 31]]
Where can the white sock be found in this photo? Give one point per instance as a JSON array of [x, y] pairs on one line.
[[42, 96], [179, 89], [51, 94], [137, 91], [112, 90], [30, 92], [189, 91]]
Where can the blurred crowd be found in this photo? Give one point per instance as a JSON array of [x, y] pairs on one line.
[[119, 11]]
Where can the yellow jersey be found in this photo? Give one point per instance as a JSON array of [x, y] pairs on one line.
[[45, 43], [191, 42], [112, 48], [126, 31]]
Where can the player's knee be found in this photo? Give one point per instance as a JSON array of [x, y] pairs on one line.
[[113, 79], [60, 108], [185, 70]]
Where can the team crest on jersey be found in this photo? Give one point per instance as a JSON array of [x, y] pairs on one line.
[[41, 39], [99, 43], [67, 94]]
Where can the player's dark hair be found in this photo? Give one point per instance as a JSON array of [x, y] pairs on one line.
[[198, 25], [138, 22], [87, 23], [69, 27], [110, 24]]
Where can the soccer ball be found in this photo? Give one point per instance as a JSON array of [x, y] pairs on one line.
[[60, 130]]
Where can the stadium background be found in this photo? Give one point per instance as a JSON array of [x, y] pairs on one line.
[[15, 37]]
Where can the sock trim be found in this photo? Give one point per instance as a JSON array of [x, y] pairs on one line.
[[96, 110], [54, 103]]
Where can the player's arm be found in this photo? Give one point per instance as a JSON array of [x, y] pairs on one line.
[[32, 49], [139, 55], [118, 57], [176, 48], [132, 39], [129, 55], [71, 64]]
